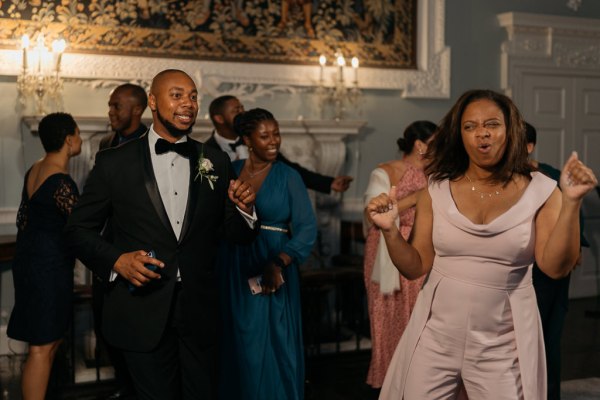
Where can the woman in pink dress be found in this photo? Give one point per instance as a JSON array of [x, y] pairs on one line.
[[484, 219], [390, 296]]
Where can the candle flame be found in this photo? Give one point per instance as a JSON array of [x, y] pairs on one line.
[[322, 60]]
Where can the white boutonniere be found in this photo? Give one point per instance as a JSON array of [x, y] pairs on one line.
[[205, 167]]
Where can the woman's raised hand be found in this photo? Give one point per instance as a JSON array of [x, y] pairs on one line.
[[576, 180], [383, 210]]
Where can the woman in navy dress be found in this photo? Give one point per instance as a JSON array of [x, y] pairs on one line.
[[262, 356], [42, 268]]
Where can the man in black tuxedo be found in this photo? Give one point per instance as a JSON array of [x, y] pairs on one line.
[[174, 196], [223, 110]]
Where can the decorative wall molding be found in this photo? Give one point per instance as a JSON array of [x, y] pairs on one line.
[[430, 80], [8, 216], [560, 45]]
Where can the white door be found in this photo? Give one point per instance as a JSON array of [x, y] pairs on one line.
[[566, 113]]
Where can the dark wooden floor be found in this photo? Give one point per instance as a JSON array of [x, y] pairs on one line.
[[341, 376]]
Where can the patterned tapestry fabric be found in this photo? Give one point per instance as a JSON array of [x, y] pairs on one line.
[[381, 33]]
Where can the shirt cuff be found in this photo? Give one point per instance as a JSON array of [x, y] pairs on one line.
[[250, 219], [113, 276]]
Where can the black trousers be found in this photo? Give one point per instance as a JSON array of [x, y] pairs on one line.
[[114, 355], [177, 368], [553, 303]]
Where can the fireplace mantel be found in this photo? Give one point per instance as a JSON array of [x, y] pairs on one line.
[[318, 145]]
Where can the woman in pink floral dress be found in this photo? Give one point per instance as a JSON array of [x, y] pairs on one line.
[[391, 297]]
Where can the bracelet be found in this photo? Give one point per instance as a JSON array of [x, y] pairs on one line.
[[279, 262]]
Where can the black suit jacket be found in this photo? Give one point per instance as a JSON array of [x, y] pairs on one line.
[[112, 139], [312, 180], [122, 187]]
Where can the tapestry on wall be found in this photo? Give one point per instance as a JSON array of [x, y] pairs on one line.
[[381, 33]]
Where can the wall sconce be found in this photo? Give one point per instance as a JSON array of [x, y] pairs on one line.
[[338, 93], [40, 72]]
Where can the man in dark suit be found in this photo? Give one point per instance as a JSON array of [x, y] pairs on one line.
[[552, 294], [169, 194], [223, 110], [126, 106]]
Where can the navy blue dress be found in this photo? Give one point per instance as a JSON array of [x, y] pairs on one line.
[[42, 268], [262, 356]]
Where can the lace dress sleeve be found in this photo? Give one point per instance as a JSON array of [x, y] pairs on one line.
[[22, 215], [66, 196]]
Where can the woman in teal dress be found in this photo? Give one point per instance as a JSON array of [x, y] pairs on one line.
[[262, 355]]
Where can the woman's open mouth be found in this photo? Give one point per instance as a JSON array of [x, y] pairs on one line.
[[484, 147]]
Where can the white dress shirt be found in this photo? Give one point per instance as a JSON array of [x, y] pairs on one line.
[[240, 153], [172, 173]]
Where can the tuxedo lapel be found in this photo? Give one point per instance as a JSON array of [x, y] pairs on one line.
[[192, 199], [212, 142], [152, 186]]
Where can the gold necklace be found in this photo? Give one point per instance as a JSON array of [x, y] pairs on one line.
[[253, 174], [482, 194]]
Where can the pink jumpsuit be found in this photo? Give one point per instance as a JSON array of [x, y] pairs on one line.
[[476, 319]]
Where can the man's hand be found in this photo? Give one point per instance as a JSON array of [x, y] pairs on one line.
[[341, 183], [131, 267], [242, 195]]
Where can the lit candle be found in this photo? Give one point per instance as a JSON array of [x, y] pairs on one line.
[[322, 62], [341, 62], [355, 68], [40, 51], [24, 47], [58, 47]]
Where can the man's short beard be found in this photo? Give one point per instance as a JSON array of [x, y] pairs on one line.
[[127, 126], [173, 130]]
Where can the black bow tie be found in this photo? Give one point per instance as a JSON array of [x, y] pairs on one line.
[[184, 149], [237, 143]]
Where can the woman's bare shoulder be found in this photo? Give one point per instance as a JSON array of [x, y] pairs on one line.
[[394, 168]]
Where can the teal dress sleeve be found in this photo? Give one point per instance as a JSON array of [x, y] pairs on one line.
[[303, 224]]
